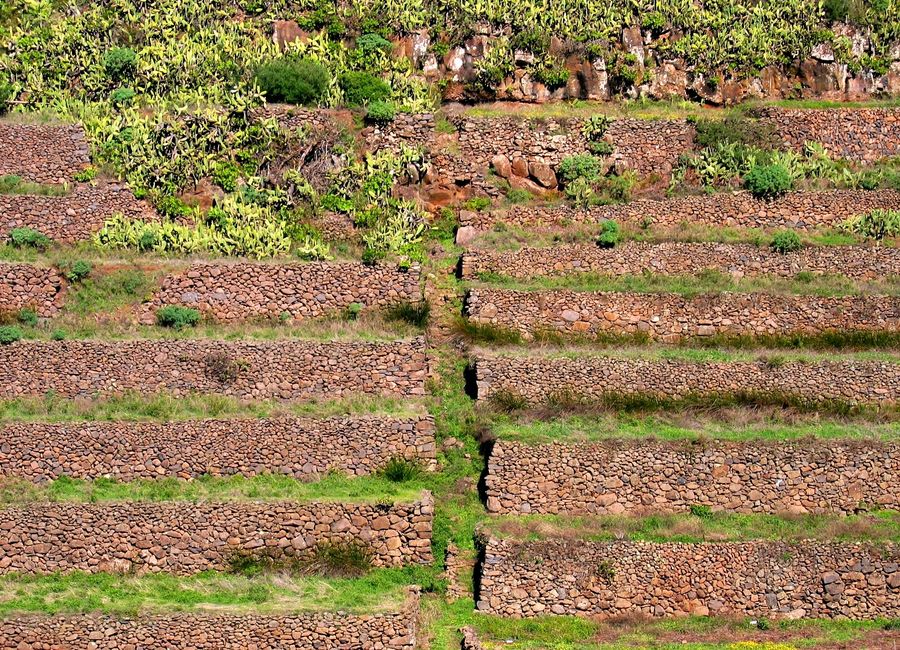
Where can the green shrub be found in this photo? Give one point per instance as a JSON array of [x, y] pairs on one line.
[[477, 203], [76, 271], [610, 234], [416, 314], [530, 40], [294, 82], [600, 148], [120, 63], [172, 207], [363, 88], [381, 112], [518, 196], [581, 166], [371, 255], [86, 175], [507, 401], [768, 181], [177, 317], [353, 310], [28, 238], [10, 334], [876, 224], [121, 96], [551, 72], [701, 511], [786, 241], [225, 175], [27, 316], [400, 470], [58, 335]]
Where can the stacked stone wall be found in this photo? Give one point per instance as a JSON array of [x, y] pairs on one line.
[[186, 538], [861, 134], [42, 153], [242, 291], [685, 258], [809, 579], [322, 631], [801, 210], [281, 370], [304, 448], [33, 287], [75, 216], [615, 477], [669, 316], [592, 377]]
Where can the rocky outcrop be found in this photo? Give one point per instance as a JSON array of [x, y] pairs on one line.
[[684, 258], [25, 286], [587, 378], [42, 153], [641, 477], [671, 317], [809, 579], [242, 291], [280, 370], [304, 448], [186, 538]]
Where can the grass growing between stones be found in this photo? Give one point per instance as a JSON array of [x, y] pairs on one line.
[[382, 590], [707, 282], [266, 487], [164, 407], [704, 526], [731, 424]]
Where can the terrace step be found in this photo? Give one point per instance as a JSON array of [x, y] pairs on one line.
[[281, 370], [304, 448], [630, 477], [586, 378], [669, 316], [809, 579], [42, 153], [684, 258], [26, 286], [187, 538]]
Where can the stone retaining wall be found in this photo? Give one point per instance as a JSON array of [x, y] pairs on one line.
[[670, 316], [810, 579], [244, 291], [186, 538], [28, 286], [74, 217], [614, 477], [593, 377], [322, 631], [684, 258], [862, 134], [42, 153], [800, 210], [282, 370], [305, 448]]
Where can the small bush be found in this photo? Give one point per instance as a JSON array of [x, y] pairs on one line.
[[381, 112], [58, 335], [876, 224], [400, 470], [363, 88], [10, 334], [701, 511], [294, 82], [353, 310], [517, 196], [416, 314], [177, 317], [76, 271], [581, 166], [786, 241], [221, 367], [225, 175], [507, 401], [28, 238], [477, 203], [120, 63], [27, 316], [600, 148], [121, 96], [172, 207], [87, 174], [551, 72], [610, 234], [768, 181]]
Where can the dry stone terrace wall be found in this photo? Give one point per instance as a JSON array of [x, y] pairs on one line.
[[74, 217], [592, 377], [27, 286], [305, 448], [231, 292], [862, 134], [42, 153], [811, 579], [281, 370], [322, 631], [671, 316], [801, 210], [615, 477], [685, 258], [186, 538]]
